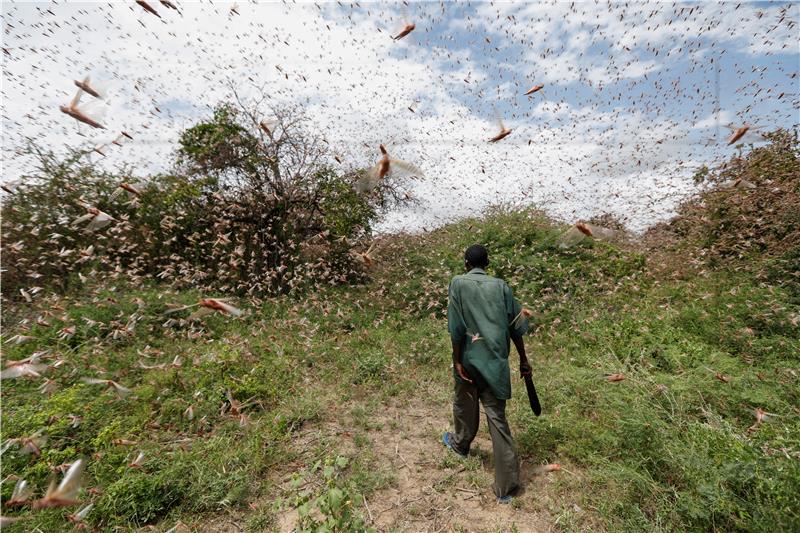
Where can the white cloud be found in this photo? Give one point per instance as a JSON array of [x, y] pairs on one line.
[[713, 120]]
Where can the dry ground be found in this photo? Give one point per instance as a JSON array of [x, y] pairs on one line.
[[428, 488]]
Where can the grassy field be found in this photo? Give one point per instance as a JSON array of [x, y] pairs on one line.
[[292, 413]]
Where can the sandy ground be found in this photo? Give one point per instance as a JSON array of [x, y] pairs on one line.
[[433, 490]]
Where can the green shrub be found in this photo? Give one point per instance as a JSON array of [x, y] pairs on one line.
[[141, 497], [333, 509]]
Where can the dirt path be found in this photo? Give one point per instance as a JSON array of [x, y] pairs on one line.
[[432, 490]]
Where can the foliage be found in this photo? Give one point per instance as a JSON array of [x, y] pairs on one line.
[[141, 498], [38, 238], [675, 446], [243, 212], [750, 210], [218, 145], [331, 510]]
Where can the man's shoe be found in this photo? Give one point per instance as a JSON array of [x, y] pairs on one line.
[[447, 440]]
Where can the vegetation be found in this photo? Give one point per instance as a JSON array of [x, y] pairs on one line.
[[279, 411], [250, 208], [747, 219]]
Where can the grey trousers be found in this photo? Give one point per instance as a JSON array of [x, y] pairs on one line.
[[466, 416]]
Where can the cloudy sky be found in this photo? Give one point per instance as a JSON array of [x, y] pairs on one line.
[[636, 96]]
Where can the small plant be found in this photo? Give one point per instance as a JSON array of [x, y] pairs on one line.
[[332, 509], [369, 367]]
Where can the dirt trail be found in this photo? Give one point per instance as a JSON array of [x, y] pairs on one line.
[[433, 489]]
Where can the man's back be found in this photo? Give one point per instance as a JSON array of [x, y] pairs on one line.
[[480, 315]]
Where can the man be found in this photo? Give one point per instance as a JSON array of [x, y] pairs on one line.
[[482, 317]]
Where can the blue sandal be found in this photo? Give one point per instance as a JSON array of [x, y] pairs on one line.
[[447, 440]]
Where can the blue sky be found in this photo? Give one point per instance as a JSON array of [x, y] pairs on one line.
[[629, 106]]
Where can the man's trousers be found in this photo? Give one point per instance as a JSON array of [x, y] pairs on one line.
[[466, 415]]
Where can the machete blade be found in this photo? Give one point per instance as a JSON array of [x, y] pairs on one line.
[[532, 397]]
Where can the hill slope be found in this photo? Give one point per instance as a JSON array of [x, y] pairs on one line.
[[328, 410], [261, 404]]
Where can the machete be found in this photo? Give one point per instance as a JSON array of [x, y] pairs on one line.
[[532, 397]]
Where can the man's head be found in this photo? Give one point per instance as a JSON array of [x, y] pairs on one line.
[[476, 256]]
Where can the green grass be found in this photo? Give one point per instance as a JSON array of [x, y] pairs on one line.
[[667, 449]]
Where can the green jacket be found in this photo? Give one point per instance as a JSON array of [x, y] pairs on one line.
[[480, 313]]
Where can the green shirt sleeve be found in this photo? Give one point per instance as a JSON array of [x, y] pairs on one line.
[[518, 323], [455, 316]]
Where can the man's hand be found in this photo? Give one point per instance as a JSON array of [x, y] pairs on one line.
[[462, 372], [524, 368], [458, 350]]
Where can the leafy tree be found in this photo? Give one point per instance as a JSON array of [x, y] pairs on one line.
[[292, 218]]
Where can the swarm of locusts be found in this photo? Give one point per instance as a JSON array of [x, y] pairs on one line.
[[282, 216]]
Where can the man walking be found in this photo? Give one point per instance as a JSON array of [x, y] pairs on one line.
[[483, 317]]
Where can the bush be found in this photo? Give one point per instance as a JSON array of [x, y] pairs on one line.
[[750, 211], [140, 498], [242, 212]]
